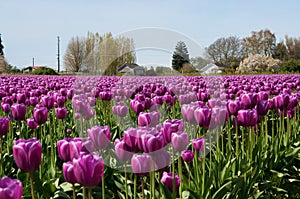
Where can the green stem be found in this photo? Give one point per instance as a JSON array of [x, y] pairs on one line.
[[229, 134], [180, 175], [1, 161], [236, 140], [173, 176], [32, 186], [83, 193], [74, 191], [134, 186], [103, 190], [143, 188], [90, 192], [126, 186]]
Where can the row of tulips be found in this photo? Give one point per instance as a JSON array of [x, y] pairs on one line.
[[88, 128]]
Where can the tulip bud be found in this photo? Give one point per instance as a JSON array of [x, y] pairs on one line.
[[40, 114], [31, 123], [27, 154], [100, 136], [180, 141], [5, 107], [122, 150], [18, 111], [68, 171], [88, 169], [187, 155], [10, 188], [4, 126], [172, 126], [69, 148], [141, 164], [198, 144], [61, 113], [247, 117], [167, 179]]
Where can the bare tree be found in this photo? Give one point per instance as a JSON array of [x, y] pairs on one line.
[[262, 42], [75, 54], [293, 47], [225, 50]]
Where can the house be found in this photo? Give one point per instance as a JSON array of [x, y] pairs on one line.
[[131, 69], [29, 69], [211, 69]]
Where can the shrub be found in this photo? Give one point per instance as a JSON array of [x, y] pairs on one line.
[[44, 71]]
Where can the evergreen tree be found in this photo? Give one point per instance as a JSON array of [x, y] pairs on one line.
[[180, 56], [1, 47]]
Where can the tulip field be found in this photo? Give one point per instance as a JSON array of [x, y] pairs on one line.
[[149, 137]]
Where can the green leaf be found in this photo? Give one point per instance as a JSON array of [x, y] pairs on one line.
[[61, 194], [185, 194], [166, 193]]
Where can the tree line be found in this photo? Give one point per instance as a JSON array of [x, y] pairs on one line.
[[230, 52], [101, 54]]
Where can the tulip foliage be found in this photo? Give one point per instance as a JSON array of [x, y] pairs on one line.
[[150, 137]]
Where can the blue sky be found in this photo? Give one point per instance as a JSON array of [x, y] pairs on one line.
[[30, 28]]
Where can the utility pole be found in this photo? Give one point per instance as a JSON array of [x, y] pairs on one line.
[[33, 62], [58, 55]]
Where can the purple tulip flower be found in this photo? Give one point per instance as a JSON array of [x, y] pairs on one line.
[[167, 179], [18, 111], [100, 136], [27, 154], [187, 155], [4, 126], [141, 164], [10, 188], [88, 169]]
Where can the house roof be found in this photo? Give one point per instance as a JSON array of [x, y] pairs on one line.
[[131, 66]]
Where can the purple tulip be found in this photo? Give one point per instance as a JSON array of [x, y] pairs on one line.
[[151, 143], [141, 164], [33, 101], [106, 96], [18, 111], [4, 126], [247, 117], [233, 107], [47, 101], [69, 148], [203, 116], [69, 131], [40, 114], [100, 136], [68, 171], [5, 107], [27, 154], [60, 100], [7, 100], [122, 150], [88, 169], [262, 107], [136, 106], [148, 119], [120, 110], [180, 141], [10, 188], [61, 113], [198, 144], [31, 123], [21, 98], [187, 155], [167, 179], [172, 126], [162, 160]]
